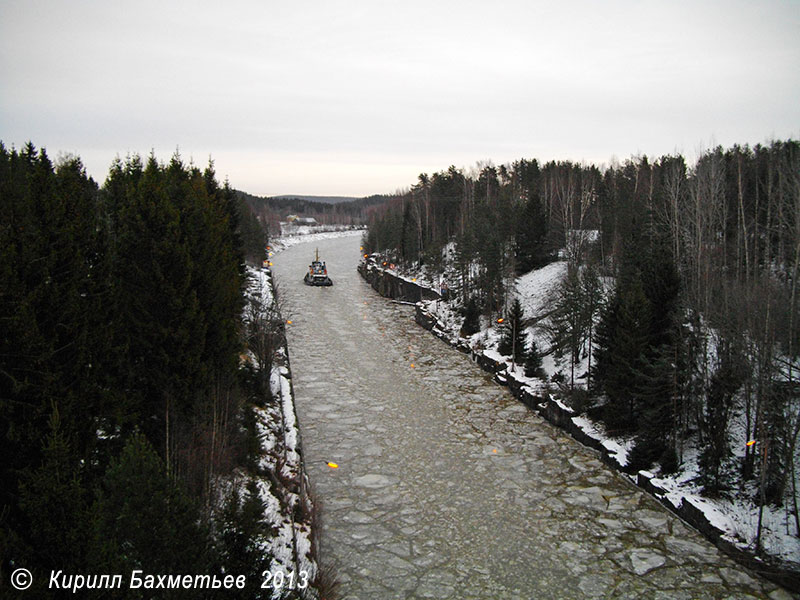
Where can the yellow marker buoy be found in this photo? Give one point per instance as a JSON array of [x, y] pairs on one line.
[[333, 465]]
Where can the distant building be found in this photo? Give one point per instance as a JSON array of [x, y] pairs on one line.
[[304, 221]]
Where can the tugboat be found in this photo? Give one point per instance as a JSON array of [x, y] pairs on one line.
[[317, 273]]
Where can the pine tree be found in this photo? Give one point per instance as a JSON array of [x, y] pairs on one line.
[[120, 313], [252, 233]]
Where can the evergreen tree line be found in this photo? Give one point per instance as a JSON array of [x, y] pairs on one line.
[[701, 328], [121, 398]]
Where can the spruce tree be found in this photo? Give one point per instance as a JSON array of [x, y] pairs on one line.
[[568, 320], [531, 236], [623, 344], [656, 389], [54, 350], [55, 501], [725, 381], [533, 361], [472, 316], [654, 441], [244, 536], [513, 340], [143, 519], [164, 326]]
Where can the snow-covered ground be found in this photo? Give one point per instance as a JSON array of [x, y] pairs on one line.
[[736, 515], [279, 438]]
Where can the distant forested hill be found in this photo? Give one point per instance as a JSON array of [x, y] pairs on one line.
[[326, 210], [319, 199]]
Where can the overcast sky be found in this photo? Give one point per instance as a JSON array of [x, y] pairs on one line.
[[355, 98]]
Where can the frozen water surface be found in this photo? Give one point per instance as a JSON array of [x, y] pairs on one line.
[[447, 487]]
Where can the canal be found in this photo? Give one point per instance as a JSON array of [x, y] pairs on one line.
[[446, 486]]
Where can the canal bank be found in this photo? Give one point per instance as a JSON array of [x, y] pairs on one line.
[[279, 475]]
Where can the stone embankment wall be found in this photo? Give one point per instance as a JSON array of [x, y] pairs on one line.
[[389, 285]]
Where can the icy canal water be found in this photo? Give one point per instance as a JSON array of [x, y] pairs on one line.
[[448, 487]]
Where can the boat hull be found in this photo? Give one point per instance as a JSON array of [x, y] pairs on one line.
[[317, 280]]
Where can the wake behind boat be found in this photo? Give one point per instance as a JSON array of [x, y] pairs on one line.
[[317, 273]]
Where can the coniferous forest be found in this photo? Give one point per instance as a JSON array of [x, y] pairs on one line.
[[681, 290], [121, 392]]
